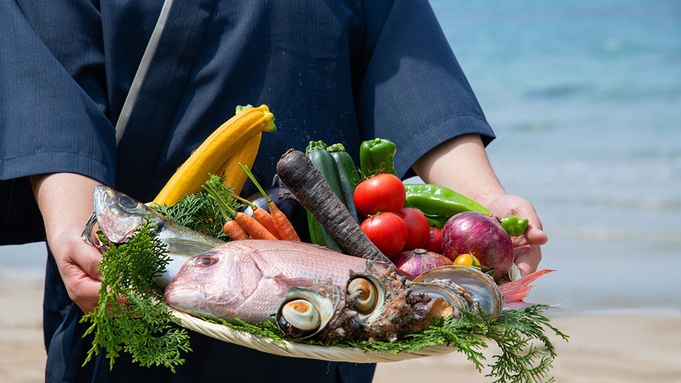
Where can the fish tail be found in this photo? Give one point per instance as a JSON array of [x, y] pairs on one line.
[[514, 292]]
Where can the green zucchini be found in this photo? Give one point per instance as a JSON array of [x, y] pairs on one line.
[[324, 162], [348, 174]]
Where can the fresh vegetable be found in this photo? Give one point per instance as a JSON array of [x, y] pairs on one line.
[[198, 212], [377, 156], [380, 193], [387, 231], [286, 205], [324, 162], [482, 236], [217, 191], [348, 174], [131, 315], [416, 261], [439, 203], [230, 171], [466, 259], [251, 226], [301, 177], [261, 215], [434, 242], [281, 222], [525, 352], [514, 225], [234, 230], [214, 151], [418, 230]]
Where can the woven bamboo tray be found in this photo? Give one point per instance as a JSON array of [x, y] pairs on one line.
[[299, 350]]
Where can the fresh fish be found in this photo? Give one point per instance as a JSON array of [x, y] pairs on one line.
[[308, 291], [249, 279], [119, 215]]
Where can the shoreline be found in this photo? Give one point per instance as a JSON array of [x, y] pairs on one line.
[[604, 346]]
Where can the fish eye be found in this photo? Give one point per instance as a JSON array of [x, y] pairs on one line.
[[205, 260], [127, 201]]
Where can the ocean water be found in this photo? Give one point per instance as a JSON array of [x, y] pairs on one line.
[[585, 98]]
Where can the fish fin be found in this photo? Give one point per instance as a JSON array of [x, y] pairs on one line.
[[514, 292], [187, 247]]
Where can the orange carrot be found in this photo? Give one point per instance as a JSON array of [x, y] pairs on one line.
[[265, 219], [234, 231], [279, 219], [260, 215], [253, 227], [282, 223]]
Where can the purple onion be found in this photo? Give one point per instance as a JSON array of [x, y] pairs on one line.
[[414, 262], [482, 236]]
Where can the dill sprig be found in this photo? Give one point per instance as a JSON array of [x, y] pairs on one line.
[[131, 314]]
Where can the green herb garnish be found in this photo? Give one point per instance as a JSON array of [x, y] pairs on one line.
[[198, 212], [131, 314]]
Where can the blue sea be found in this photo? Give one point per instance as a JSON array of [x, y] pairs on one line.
[[585, 99]]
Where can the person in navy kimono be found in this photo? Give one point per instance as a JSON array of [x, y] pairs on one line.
[[165, 75]]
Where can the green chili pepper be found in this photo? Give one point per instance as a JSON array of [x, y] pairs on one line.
[[377, 156], [437, 220], [439, 201], [514, 225]]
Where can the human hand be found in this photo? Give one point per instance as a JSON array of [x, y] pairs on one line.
[[65, 203], [527, 246], [78, 264]]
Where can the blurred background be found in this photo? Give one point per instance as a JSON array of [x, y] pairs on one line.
[[585, 98]]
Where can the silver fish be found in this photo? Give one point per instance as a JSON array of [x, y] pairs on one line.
[[119, 215], [249, 279]]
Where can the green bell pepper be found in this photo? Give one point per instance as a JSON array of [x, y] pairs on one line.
[[377, 156]]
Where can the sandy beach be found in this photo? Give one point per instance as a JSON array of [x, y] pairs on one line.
[[602, 348]]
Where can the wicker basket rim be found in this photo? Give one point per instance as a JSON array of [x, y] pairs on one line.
[[300, 350]]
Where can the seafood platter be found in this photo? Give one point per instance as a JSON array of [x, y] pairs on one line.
[[327, 288]]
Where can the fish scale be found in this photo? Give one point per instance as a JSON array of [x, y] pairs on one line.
[[201, 290]]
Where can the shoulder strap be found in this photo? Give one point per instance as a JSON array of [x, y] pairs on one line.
[[141, 73], [151, 106]]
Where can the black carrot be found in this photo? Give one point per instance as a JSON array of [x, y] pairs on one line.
[[308, 185]]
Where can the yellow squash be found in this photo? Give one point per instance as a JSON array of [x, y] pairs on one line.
[[235, 177], [209, 157]]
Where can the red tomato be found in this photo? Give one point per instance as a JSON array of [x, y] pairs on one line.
[[434, 242], [380, 193], [387, 231], [418, 228]]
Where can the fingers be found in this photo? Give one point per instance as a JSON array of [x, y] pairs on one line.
[[535, 235], [83, 290], [527, 258], [78, 265]]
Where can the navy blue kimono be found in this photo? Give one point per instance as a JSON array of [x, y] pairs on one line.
[[338, 71]]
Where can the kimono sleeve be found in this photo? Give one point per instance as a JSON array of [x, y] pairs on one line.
[[52, 105], [414, 91]]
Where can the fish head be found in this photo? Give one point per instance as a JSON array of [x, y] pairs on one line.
[[206, 285], [118, 215]]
